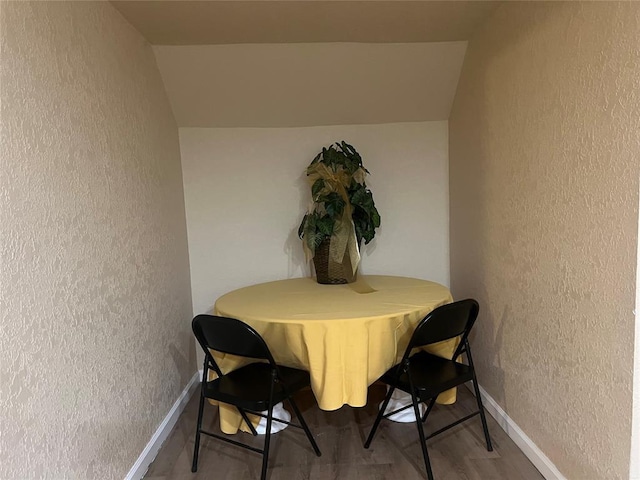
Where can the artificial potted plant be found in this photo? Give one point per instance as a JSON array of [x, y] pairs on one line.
[[343, 213]]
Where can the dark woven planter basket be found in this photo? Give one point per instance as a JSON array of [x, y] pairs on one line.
[[330, 272]]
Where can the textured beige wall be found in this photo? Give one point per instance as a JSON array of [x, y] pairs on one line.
[[95, 344], [544, 162], [251, 182]]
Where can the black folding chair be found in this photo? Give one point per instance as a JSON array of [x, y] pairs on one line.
[[424, 376], [253, 388]]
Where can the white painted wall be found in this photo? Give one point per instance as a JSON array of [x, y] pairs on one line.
[[246, 192]]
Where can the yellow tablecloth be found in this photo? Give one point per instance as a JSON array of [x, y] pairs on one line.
[[346, 336]]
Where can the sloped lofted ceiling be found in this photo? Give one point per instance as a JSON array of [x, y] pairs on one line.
[[304, 63]]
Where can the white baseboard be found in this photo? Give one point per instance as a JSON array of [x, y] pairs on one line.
[[524, 443], [151, 450]]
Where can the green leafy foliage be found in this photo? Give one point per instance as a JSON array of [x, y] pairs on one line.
[[333, 205], [316, 188], [365, 215], [344, 164], [315, 228]]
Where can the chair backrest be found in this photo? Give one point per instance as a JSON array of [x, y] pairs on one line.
[[445, 322], [229, 335]]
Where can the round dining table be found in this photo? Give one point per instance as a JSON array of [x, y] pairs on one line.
[[346, 335]]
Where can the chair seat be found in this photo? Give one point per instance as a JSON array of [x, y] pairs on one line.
[[431, 375], [249, 387]]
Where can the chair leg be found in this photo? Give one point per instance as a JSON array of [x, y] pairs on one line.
[[379, 417], [423, 441], [267, 441], [304, 426], [247, 421], [429, 407], [196, 448], [485, 428]]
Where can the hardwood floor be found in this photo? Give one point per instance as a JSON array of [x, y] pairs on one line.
[[458, 454]]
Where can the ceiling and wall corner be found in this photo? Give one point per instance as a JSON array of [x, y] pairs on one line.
[[293, 64]]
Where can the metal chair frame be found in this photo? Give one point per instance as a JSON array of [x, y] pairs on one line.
[[229, 335], [445, 322]]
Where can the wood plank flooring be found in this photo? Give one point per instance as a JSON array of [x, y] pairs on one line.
[[458, 454]]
